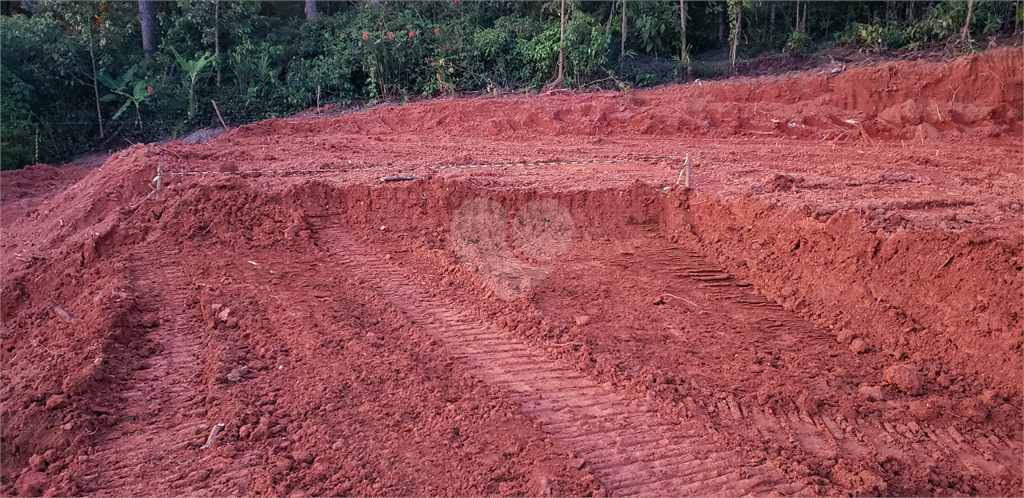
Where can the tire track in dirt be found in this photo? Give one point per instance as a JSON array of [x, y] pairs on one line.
[[681, 276], [163, 410], [834, 436], [632, 448]]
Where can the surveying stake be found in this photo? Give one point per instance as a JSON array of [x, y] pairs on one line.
[[159, 179]]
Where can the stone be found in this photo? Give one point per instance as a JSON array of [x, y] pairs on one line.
[[904, 377], [582, 320]]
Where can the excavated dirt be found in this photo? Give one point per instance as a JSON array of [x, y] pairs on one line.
[[832, 308]]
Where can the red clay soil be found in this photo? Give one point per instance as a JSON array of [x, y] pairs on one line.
[[833, 308]]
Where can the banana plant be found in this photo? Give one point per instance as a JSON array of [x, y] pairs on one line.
[[119, 88], [192, 72]]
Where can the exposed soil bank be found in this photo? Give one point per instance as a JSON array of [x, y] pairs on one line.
[[930, 295]]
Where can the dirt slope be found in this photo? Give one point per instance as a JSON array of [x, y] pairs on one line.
[[833, 308]]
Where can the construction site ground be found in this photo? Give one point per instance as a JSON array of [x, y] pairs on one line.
[[541, 307]]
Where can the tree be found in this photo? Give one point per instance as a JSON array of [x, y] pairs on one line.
[[684, 51], [310, 10], [95, 78], [561, 51], [216, 37], [622, 49], [146, 24], [967, 23], [736, 18]]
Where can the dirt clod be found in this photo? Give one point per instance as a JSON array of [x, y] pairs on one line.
[[845, 335], [56, 401], [904, 377], [37, 463], [808, 403], [859, 346], [872, 393], [32, 483], [991, 398], [974, 409]]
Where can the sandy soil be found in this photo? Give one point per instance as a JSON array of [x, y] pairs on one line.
[[833, 307]]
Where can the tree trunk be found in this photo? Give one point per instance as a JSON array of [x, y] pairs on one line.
[[608, 27], [797, 27], [148, 32], [622, 48], [95, 85], [95, 81], [310, 10], [216, 37], [967, 23], [771, 29], [735, 38], [561, 49], [684, 51]]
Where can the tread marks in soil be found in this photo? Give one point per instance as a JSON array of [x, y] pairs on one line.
[[634, 450], [158, 398], [821, 435]]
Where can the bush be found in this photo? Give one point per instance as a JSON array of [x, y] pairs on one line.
[[798, 43]]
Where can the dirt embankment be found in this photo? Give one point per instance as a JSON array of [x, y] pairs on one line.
[[978, 96], [855, 277]]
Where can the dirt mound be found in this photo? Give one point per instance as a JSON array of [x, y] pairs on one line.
[[977, 96], [544, 310]]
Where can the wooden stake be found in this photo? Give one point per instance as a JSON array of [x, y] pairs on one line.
[[687, 167], [318, 100], [685, 172], [159, 179], [218, 115]]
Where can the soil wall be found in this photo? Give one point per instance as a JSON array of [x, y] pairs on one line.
[[923, 294]]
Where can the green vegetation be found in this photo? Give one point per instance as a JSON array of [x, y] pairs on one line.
[[71, 71]]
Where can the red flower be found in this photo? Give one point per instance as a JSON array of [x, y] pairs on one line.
[[437, 31], [150, 88], [410, 34], [391, 35], [366, 36]]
